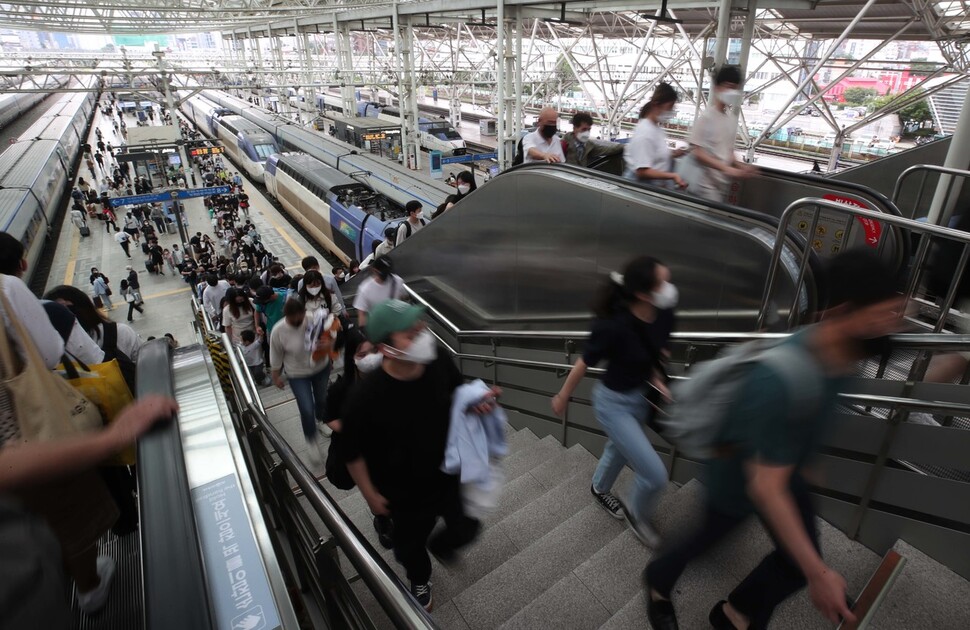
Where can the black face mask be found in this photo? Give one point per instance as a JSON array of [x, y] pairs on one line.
[[875, 346], [548, 131]]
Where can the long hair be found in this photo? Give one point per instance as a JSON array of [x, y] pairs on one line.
[[466, 177], [80, 304], [619, 292], [315, 276], [662, 95], [234, 307]]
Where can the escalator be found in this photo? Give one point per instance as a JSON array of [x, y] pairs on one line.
[[530, 249]]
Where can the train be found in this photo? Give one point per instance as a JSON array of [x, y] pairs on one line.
[[13, 105], [343, 214], [36, 172], [395, 182], [434, 134], [246, 143]]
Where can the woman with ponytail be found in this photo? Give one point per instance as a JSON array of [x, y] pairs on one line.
[[648, 158], [634, 318]]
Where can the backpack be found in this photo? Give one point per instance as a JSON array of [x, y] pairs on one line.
[[694, 421], [111, 351], [407, 226], [519, 155]]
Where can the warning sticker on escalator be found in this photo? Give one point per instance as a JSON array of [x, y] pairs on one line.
[[871, 228]]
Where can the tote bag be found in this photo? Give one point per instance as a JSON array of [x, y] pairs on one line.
[[46, 405], [104, 385]]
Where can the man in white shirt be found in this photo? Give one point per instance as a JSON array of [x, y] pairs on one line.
[[122, 239], [414, 222], [212, 296], [382, 285], [712, 140], [387, 245], [543, 144]]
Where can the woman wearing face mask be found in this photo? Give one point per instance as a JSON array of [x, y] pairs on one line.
[[712, 141], [634, 319], [289, 351], [314, 295], [238, 315], [647, 156], [466, 185]]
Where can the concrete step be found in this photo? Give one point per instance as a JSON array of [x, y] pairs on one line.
[[926, 594], [508, 589], [567, 604], [530, 455]]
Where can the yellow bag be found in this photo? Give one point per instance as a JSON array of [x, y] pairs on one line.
[[104, 385]]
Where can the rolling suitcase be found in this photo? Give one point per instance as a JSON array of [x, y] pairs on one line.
[[85, 230], [149, 266]]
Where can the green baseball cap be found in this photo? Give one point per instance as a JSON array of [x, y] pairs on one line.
[[391, 316]]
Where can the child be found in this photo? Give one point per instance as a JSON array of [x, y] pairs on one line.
[[253, 354]]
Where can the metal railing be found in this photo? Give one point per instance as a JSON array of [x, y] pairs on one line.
[[394, 598], [953, 175]]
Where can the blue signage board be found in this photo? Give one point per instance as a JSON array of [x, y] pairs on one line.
[[434, 164], [471, 157], [168, 195], [238, 587]]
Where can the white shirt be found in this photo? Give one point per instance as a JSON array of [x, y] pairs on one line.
[[402, 232], [32, 316], [82, 346], [647, 149], [535, 140], [177, 257], [121, 237], [371, 292], [253, 353], [212, 296], [287, 351], [129, 341], [714, 132], [383, 249]]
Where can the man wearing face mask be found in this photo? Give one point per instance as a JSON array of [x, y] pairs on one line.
[[414, 222], [394, 454], [387, 245], [382, 285], [767, 440], [712, 140], [580, 148], [543, 144]]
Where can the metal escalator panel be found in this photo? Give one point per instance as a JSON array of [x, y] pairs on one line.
[[530, 249], [208, 559]]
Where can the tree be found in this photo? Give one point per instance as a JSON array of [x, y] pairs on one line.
[[918, 110], [858, 96]]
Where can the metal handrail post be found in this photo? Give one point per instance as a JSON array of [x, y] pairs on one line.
[[926, 169]]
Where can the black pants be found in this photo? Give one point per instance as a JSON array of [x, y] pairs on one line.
[[412, 527], [124, 246], [769, 584], [132, 307], [108, 225]]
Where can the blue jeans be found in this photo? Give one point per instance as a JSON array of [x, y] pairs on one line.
[[311, 399], [622, 415]]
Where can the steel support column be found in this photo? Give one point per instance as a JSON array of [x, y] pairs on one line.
[[958, 157], [345, 70], [504, 160], [516, 130], [746, 36], [409, 100], [722, 38]]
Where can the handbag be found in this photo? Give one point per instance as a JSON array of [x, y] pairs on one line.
[[46, 406], [103, 384], [129, 298]]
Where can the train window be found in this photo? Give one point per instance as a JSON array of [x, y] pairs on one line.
[[264, 150]]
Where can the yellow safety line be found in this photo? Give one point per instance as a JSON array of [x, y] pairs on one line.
[[72, 259], [279, 230]]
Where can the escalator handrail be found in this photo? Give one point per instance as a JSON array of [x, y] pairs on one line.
[[401, 608], [173, 574]]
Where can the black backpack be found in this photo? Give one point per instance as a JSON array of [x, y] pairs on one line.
[[519, 155], [111, 351]]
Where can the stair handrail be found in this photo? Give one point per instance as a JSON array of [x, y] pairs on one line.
[[401, 608], [926, 230], [926, 170]]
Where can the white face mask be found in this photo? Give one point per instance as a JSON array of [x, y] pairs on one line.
[[423, 349], [665, 297], [464, 188], [583, 136], [731, 98], [313, 290], [369, 363], [666, 117]]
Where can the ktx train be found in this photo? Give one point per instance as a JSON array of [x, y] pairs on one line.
[[344, 215], [35, 171], [247, 144]]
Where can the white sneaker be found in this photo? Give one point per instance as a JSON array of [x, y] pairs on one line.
[[313, 454], [94, 600]]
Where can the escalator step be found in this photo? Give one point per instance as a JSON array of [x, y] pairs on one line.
[[123, 611]]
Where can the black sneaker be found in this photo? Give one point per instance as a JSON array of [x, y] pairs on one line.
[[660, 612], [608, 502], [385, 531], [422, 593]]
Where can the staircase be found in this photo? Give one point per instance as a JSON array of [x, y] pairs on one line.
[[946, 105], [549, 557]]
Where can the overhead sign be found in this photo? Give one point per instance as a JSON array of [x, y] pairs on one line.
[[206, 151], [168, 195], [476, 157], [374, 136]]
